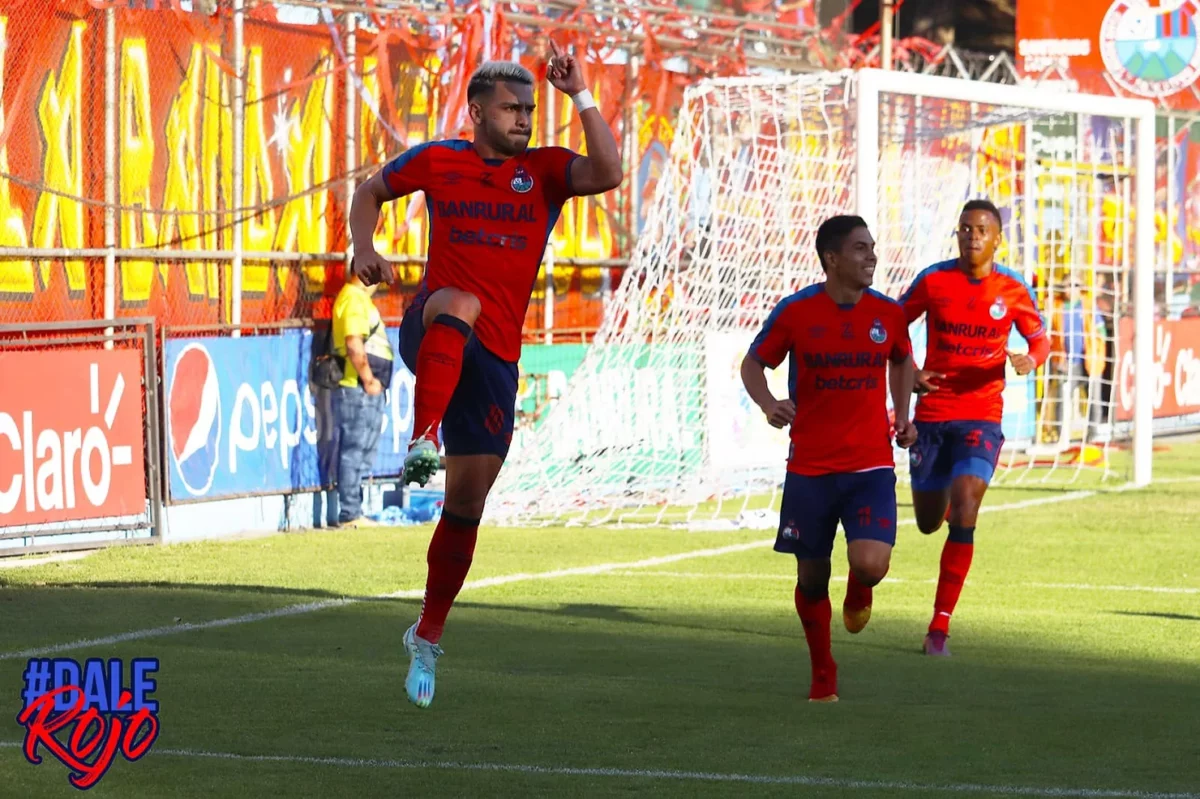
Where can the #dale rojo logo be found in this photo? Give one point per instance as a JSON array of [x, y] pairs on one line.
[[84, 715]]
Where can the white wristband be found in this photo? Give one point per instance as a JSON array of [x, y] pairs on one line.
[[583, 101]]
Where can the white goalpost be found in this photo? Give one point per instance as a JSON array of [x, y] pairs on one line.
[[654, 426]]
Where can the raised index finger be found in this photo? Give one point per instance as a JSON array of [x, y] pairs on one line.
[[554, 49]]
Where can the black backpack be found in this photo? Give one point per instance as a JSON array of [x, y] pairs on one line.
[[328, 369]]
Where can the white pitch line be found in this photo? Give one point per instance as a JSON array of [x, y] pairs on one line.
[[489, 582], [668, 774]]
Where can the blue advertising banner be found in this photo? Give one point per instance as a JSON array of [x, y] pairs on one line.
[[241, 418]]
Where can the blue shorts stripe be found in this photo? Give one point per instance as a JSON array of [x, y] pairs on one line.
[[947, 450]]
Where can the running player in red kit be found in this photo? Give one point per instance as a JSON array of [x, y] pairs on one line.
[[841, 337], [970, 306], [493, 203]]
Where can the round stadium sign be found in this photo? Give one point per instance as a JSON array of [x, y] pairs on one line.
[[1150, 46]]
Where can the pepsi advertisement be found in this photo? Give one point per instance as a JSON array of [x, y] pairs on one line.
[[241, 419]]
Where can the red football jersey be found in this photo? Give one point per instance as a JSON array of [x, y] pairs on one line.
[[968, 323], [837, 376], [489, 221]]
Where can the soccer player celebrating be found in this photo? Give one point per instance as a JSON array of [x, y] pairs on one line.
[[971, 305], [841, 336], [493, 203]]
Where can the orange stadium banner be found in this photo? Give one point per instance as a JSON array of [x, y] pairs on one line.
[[172, 156], [1146, 48]]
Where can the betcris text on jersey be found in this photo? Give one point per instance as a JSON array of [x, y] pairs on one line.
[[241, 419]]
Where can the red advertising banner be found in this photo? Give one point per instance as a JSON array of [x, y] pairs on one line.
[[71, 444], [1176, 366], [1145, 48]]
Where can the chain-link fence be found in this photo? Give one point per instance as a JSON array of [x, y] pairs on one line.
[[140, 177]]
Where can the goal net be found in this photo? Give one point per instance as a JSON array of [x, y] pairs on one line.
[[655, 426]]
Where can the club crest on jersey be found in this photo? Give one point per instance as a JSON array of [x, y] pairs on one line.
[[790, 532], [998, 309], [522, 181], [878, 334]]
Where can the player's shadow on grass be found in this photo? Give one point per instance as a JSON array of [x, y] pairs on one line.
[[649, 617], [1155, 615], [316, 593]]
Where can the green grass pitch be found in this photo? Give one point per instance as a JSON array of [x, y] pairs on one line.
[[647, 662]]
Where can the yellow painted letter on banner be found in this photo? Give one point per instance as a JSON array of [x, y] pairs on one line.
[[373, 151], [182, 191], [304, 226], [258, 232], [16, 277], [58, 219], [216, 152], [138, 228], [216, 164]]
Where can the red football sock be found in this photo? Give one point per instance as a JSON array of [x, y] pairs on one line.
[[956, 562], [450, 553], [439, 366], [815, 616], [858, 596]]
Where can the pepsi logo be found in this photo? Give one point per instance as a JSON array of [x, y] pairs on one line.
[[194, 416]]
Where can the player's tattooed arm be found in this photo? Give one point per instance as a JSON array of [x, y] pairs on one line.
[[368, 265], [779, 413], [600, 170]]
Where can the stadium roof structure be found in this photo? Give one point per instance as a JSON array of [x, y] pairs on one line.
[[773, 37]]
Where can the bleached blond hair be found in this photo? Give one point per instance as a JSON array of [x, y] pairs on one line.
[[489, 73]]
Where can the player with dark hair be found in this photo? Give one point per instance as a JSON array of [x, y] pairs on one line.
[[970, 306], [841, 337], [493, 203]]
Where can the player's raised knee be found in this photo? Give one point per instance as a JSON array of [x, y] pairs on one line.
[[871, 574], [929, 526], [454, 302]]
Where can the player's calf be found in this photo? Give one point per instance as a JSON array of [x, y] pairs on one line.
[[957, 553], [869, 564], [813, 607], [815, 612], [869, 519]]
